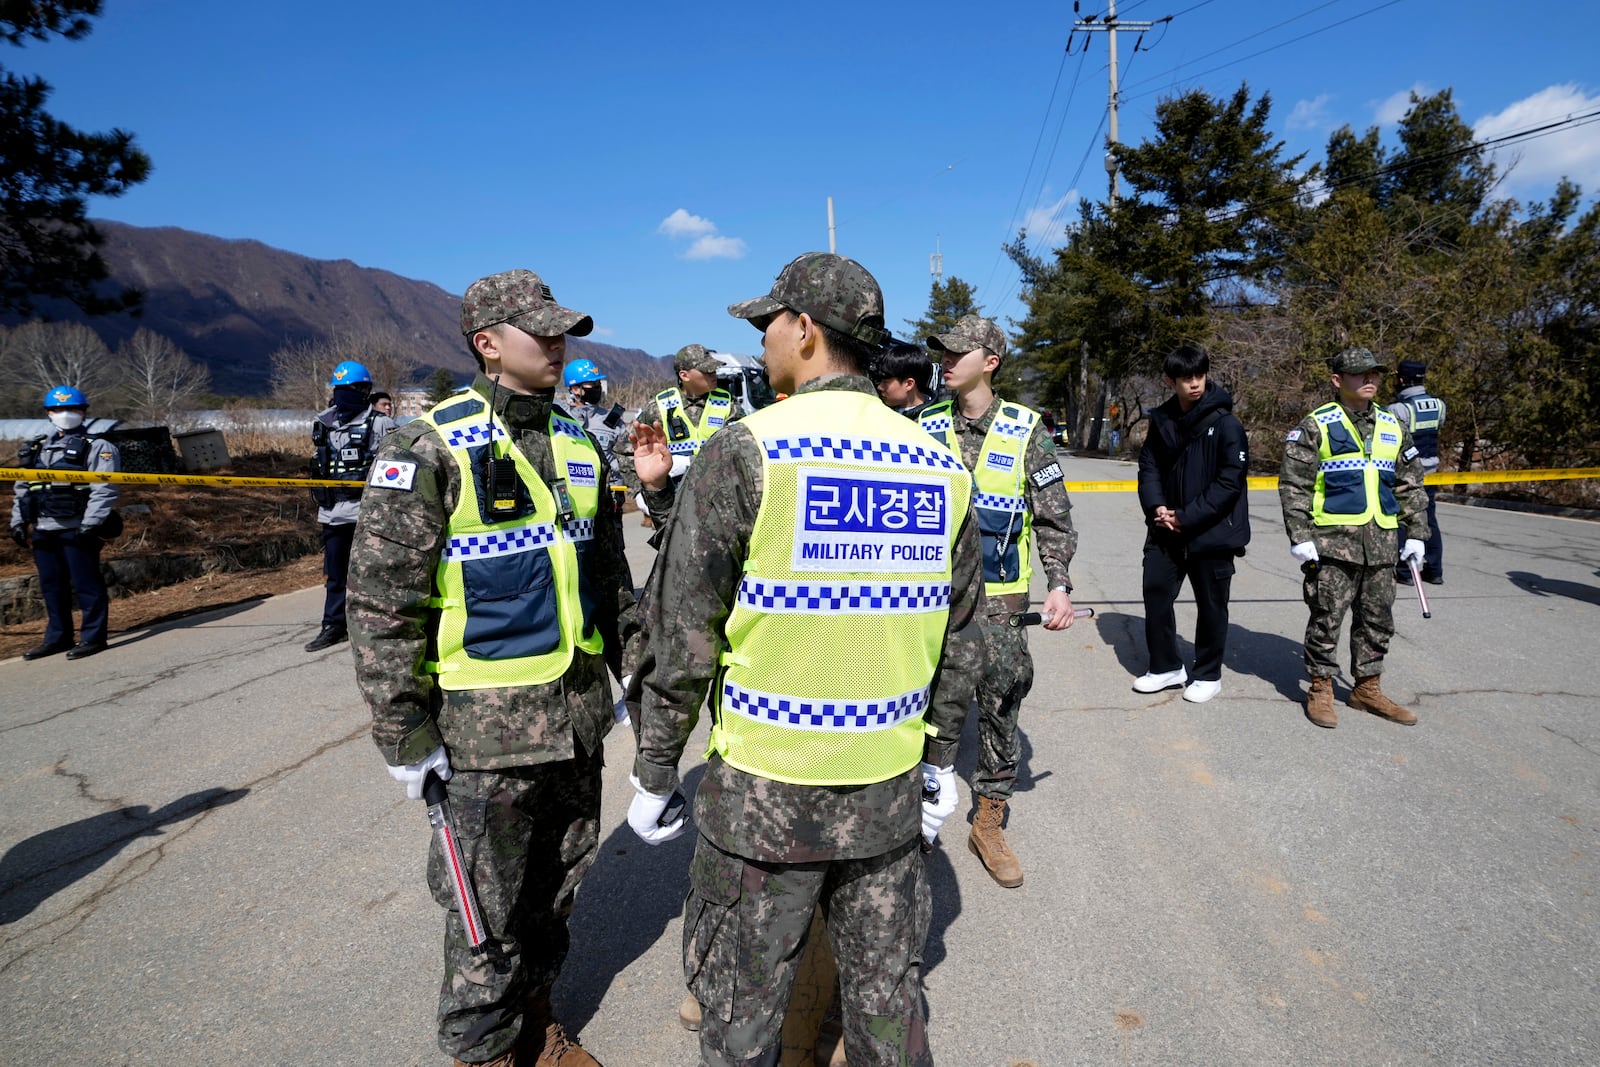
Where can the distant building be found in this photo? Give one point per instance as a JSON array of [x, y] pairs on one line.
[[410, 402]]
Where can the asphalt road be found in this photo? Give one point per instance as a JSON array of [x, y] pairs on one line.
[[204, 863]]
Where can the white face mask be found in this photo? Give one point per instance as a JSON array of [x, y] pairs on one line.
[[66, 420]]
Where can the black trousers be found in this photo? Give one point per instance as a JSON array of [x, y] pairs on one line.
[[69, 568], [336, 542], [1211, 578], [1433, 548]]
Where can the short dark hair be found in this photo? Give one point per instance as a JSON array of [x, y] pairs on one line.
[[379, 395], [857, 355], [1186, 361], [902, 360]]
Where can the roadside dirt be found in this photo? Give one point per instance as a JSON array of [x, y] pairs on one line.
[[210, 520]]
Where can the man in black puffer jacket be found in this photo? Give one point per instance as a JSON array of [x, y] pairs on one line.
[[1192, 473]]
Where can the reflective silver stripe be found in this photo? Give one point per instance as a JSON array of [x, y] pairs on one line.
[[821, 714]]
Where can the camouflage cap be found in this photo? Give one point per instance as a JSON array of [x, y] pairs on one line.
[[1355, 361], [973, 331], [835, 291], [696, 357], [522, 299]]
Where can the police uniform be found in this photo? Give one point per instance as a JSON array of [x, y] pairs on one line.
[[1349, 478], [1423, 415], [826, 700], [344, 444], [63, 518], [687, 421], [480, 608]]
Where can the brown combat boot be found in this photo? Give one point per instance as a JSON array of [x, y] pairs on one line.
[[988, 842], [1319, 702], [1366, 696], [544, 1042]]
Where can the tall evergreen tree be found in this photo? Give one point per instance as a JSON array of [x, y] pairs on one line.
[[948, 300]]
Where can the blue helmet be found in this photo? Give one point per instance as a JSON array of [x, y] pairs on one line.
[[350, 373], [65, 396], [581, 371]]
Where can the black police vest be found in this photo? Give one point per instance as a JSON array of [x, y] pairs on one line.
[[60, 500], [1425, 424], [348, 463]]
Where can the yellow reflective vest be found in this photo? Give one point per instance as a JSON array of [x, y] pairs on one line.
[[1004, 520], [839, 619], [513, 595], [684, 438], [1355, 486]]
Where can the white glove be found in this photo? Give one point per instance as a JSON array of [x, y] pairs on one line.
[[941, 782], [1412, 552], [638, 499], [619, 711], [644, 815], [680, 466], [413, 774], [1305, 552]]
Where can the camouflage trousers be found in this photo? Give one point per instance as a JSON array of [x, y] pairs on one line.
[[1007, 677], [1367, 593], [744, 929], [528, 834]]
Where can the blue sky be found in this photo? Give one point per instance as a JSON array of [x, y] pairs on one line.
[[657, 162]]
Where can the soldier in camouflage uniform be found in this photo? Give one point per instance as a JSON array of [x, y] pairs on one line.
[[1350, 475], [462, 586], [763, 498], [687, 427], [1014, 500]]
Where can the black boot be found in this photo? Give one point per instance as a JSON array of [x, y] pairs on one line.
[[330, 635], [49, 648], [86, 648]]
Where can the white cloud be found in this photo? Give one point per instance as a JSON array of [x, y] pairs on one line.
[[682, 224], [1390, 111], [1047, 223], [712, 246], [708, 243], [1573, 153], [1310, 114], [605, 331]]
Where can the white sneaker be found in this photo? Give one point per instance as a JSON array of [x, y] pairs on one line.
[[1155, 683], [1200, 692]]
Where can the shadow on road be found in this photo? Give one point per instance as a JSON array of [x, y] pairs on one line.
[[631, 895], [1273, 658], [180, 620], [1541, 586], [35, 869]]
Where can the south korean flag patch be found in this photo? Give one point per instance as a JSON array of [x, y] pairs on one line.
[[1292, 435], [393, 474]]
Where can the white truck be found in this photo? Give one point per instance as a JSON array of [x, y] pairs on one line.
[[746, 379]]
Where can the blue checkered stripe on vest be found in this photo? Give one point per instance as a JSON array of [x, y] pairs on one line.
[[786, 597], [858, 448], [579, 529], [1354, 464], [832, 716], [500, 542], [1011, 428], [997, 502], [1327, 416], [683, 448], [465, 436], [568, 427], [936, 423]]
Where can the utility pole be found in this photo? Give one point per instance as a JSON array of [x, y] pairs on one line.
[[936, 262], [1109, 26], [832, 247]]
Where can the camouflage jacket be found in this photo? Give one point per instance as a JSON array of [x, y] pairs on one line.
[[397, 544], [1368, 544], [693, 408], [687, 603], [1053, 536]]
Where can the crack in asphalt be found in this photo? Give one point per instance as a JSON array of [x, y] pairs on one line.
[[137, 866]]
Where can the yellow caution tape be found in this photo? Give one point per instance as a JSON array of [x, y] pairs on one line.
[[27, 474]]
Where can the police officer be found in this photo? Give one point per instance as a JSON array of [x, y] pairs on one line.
[[1020, 500], [1350, 478], [1423, 415], [689, 412], [345, 437], [841, 536], [66, 523], [483, 594]]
